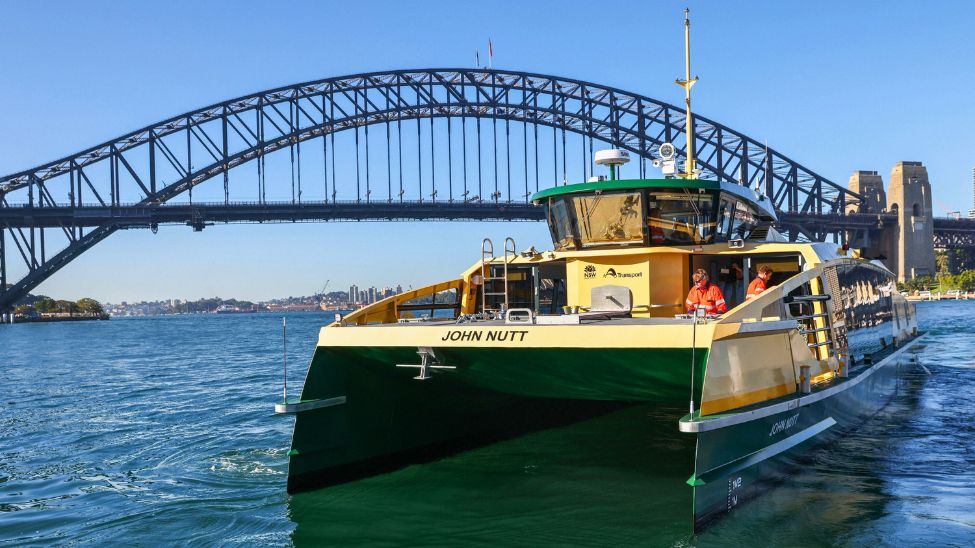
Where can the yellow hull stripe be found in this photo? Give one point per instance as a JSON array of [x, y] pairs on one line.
[[747, 398]]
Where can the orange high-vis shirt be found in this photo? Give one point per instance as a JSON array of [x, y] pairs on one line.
[[755, 288], [709, 297], [657, 236]]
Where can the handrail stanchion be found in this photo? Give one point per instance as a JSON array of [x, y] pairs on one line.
[[284, 336]]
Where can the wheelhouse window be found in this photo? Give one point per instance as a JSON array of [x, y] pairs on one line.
[[561, 223], [609, 218], [657, 216], [725, 212], [743, 222], [681, 217]]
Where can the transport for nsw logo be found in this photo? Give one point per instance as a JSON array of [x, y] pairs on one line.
[[612, 273]]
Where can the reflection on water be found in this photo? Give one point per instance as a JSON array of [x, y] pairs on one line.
[[141, 430], [614, 477]]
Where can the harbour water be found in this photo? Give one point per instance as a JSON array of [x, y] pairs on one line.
[[160, 430]]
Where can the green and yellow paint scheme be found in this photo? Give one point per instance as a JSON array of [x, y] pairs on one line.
[[754, 377]]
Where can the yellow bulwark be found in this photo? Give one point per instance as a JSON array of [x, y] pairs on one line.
[[388, 310]]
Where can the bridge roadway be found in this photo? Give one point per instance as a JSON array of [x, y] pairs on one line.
[[948, 232]]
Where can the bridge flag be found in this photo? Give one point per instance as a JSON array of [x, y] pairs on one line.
[[490, 54], [477, 58]]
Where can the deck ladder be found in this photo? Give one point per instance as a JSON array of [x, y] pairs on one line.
[[808, 321], [487, 277]]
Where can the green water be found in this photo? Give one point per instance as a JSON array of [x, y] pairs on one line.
[[161, 431]]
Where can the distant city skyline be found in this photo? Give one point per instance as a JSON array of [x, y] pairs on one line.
[[831, 86], [971, 212]]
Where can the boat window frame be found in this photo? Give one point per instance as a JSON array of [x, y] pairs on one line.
[[749, 218], [695, 235], [588, 241], [725, 214]]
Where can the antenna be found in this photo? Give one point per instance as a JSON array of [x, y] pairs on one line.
[[690, 166], [614, 158]]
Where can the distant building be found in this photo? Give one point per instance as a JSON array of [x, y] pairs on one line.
[[971, 212], [353, 294]]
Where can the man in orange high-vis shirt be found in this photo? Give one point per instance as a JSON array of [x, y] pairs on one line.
[[706, 294], [657, 236], [760, 283]]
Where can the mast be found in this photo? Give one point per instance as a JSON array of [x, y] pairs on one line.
[[690, 166]]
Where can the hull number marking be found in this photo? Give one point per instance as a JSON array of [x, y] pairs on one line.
[[502, 335]]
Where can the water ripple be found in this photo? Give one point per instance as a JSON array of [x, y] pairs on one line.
[[160, 430]]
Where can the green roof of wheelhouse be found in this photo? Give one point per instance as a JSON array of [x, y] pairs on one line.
[[630, 184]]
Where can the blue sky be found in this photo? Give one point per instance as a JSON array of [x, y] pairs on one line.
[[837, 86]]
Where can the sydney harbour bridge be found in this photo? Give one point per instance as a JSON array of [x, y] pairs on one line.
[[429, 144]]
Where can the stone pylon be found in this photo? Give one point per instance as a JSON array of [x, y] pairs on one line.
[[874, 243], [870, 185], [911, 253]]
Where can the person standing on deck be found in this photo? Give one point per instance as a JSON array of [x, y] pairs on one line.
[[760, 283], [706, 294], [730, 282], [657, 236]]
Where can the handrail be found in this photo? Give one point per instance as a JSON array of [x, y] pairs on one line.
[[799, 299], [387, 310], [513, 253], [487, 257]]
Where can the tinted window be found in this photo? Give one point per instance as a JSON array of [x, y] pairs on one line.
[[743, 222], [609, 218], [681, 217], [560, 222]]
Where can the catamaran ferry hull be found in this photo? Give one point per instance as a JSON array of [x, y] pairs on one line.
[[740, 455], [360, 415]]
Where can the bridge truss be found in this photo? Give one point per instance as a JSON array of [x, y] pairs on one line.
[[447, 144]]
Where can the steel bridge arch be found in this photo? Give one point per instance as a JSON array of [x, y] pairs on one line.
[[229, 138]]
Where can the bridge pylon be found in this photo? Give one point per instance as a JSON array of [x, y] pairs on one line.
[[911, 252]]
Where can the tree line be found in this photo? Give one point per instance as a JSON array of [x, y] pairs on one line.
[[956, 270], [47, 305]]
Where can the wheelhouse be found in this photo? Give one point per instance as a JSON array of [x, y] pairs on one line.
[[652, 212]]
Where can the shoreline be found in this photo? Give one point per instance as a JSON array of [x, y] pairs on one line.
[[47, 319]]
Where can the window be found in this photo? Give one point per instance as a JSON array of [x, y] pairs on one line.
[[725, 212], [560, 222], [743, 222], [609, 218], [657, 217], [681, 217]]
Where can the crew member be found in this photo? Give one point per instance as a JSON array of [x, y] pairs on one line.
[[657, 236], [706, 294], [760, 283]]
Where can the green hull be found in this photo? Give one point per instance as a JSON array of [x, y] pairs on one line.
[[388, 419], [737, 462]]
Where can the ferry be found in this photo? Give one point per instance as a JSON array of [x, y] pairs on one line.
[[228, 309], [599, 322]]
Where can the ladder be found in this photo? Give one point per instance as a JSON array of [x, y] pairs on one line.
[[809, 326], [487, 260]]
